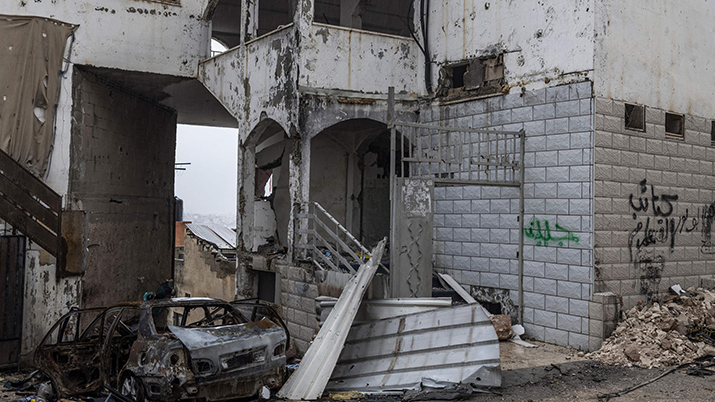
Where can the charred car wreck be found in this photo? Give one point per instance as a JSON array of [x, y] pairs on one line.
[[167, 350]]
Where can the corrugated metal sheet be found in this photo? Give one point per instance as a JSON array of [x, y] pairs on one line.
[[309, 380], [209, 234], [226, 233], [452, 345]]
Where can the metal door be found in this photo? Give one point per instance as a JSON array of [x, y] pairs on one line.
[[12, 283], [411, 253]]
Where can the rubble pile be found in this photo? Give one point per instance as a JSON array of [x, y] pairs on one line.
[[657, 335]]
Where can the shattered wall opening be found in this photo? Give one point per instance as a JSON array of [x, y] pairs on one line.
[[389, 17], [265, 180]]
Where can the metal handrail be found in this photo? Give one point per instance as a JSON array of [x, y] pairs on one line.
[[339, 242]]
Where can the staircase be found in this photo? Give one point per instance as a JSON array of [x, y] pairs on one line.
[[30, 206]]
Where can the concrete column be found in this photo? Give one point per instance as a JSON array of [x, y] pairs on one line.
[[246, 195]]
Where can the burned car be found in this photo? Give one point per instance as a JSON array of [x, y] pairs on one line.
[[167, 350]]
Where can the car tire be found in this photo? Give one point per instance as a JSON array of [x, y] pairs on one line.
[[132, 387]]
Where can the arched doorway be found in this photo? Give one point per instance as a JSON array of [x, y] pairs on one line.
[[349, 177]]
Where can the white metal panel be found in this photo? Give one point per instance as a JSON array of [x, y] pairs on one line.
[[456, 345], [309, 380]]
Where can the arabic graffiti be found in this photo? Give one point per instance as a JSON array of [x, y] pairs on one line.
[[656, 202], [657, 224], [541, 232], [661, 227]]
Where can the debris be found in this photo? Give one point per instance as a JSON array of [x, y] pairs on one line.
[[677, 290], [311, 377], [24, 384], [662, 335], [435, 348], [459, 289], [632, 353], [519, 330], [502, 324], [343, 396], [454, 391], [265, 393]]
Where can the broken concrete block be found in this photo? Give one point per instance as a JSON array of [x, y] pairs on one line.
[[632, 353], [502, 325]]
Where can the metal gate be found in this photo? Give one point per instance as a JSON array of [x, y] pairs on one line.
[[12, 284], [424, 156]]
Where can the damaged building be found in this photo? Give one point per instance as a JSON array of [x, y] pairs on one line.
[[554, 158]]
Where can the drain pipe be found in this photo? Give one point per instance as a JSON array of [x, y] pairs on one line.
[[424, 20]]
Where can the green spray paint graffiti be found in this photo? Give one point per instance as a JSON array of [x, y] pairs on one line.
[[542, 234]]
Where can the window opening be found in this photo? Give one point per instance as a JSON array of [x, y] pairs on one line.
[[712, 133], [274, 14], [226, 24], [388, 17], [674, 125], [635, 117]]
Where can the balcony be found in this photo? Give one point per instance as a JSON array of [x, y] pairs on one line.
[[347, 59]]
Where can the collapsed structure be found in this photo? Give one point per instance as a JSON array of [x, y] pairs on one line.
[[555, 158]]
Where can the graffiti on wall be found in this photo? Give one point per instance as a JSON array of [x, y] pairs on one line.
[[661, 227], [541, 232]]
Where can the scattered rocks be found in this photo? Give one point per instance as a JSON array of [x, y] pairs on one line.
[[656, 336]]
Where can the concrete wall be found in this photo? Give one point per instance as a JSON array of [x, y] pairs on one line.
[[545, 43], [256, 81], [654, 204], [47, 298], [476, 228], [204, 273], [655, 54], [122, 175], [139, 36], [353, 60]]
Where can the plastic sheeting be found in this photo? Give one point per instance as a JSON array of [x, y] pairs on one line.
[[31, 55]]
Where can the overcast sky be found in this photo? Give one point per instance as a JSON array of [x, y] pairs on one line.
[[208, 185]]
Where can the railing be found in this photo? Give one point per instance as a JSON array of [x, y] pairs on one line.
[[327, 243], [457, 155], [30, 206]]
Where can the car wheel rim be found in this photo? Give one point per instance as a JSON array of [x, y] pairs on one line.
[[129, 387]]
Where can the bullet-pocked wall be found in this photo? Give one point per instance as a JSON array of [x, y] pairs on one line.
[[477, 228], [122, 175]]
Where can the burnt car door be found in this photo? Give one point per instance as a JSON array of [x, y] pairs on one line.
[[120, 337], [70, 353], [255, 310]]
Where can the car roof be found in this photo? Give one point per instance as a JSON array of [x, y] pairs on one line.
[[174, 302]]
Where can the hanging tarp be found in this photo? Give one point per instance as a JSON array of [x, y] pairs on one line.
[[31, 58]]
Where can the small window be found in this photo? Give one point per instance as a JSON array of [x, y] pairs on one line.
[[712, 133], [458, 75], [674, 125], [635, 117]]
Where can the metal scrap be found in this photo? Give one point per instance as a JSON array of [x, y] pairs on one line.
[[311, 377]]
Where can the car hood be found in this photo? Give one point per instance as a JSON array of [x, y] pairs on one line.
[[259, 333]]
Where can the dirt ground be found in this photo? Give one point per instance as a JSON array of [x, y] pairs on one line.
[[532, 375], [553, 373]]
